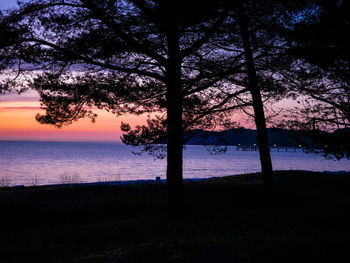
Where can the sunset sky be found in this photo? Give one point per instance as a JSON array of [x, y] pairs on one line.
[[17, 122]]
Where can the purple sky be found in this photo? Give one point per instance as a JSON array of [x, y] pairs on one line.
[[7, 4]]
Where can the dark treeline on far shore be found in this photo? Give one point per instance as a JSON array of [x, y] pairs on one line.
[[247, 137]]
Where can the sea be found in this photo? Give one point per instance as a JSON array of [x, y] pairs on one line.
[[27, 163]]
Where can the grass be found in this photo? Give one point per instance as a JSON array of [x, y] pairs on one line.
[[224, 222], [5, 181], [67, 178]]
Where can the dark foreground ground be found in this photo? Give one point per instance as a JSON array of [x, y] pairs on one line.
[[224, 222]]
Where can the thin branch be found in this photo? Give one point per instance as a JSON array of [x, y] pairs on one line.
[[200, 42]]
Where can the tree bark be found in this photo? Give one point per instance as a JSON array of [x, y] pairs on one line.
[[174, 125], [260, 120]]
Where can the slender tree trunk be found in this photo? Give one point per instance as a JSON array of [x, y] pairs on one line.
[[260, 120], [174, 125]]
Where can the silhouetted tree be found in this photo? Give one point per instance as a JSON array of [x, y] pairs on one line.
[[267, 70], [319, 39], [250, 37]]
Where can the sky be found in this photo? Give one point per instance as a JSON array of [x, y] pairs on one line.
[[7, 4]]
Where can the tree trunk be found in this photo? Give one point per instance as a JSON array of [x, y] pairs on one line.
[[174, 125], [260, 121]]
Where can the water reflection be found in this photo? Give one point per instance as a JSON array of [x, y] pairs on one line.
[[38, 163]]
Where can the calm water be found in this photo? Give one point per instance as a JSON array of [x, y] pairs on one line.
[[38, 163]]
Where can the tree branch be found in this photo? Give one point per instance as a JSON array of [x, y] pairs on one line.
[[120, 33], [200, 42], [96, 63]]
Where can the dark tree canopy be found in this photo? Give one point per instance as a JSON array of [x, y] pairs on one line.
[[320, 40]]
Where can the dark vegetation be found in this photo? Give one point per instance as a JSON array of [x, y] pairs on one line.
[[224, 222]]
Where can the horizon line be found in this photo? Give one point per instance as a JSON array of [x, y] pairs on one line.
[[55, 140]]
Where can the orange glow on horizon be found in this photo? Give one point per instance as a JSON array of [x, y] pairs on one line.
[[17, 122]]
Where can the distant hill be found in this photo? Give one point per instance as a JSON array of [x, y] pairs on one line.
[[247, 137]]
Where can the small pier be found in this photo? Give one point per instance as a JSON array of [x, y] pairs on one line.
[[272, 148]]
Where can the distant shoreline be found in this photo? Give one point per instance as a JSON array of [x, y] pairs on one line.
[[123, 182]]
